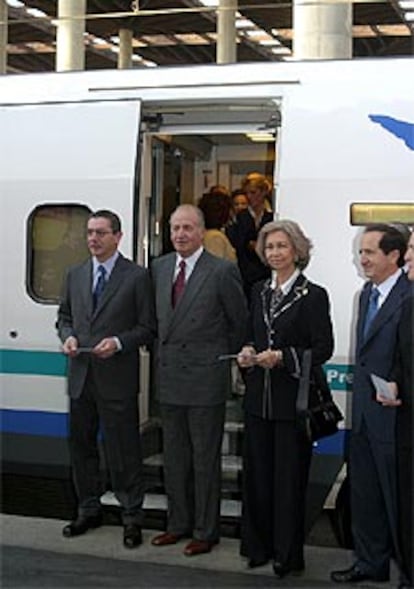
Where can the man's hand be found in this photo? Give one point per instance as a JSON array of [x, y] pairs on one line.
[[70, 346], [390, 402], [106, 348]]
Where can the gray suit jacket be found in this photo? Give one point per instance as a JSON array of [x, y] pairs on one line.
[[375, 354], [125, 310], [209, 320]]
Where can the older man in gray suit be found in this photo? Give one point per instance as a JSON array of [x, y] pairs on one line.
[[106, 313], [201, 313]]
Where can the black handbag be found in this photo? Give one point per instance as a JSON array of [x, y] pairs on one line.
[[317, 413]]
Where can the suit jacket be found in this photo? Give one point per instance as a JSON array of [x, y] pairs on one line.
[[374, 354], [302, 322], [240, 234], [403, 373], [125, 310], [208, 321]]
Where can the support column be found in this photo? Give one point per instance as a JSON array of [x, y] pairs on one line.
[[3, 37], [322, 29], [226, 31], [125, 49], [70, 45]]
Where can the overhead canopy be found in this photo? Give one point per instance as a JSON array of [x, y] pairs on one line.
[[178, 32]]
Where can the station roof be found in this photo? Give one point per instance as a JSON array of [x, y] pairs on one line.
[[178, 32]]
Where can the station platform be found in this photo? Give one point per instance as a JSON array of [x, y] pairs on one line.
[[35, 554]]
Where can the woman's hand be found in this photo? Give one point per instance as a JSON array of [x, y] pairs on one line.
[[246, 357], [269, 358]]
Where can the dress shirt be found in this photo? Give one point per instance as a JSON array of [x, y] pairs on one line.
[[286, 286], [385, 287], [109, 266], [190, 263]]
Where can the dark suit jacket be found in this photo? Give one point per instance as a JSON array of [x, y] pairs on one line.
[[304, 324], [403, 373], [375, 355], [125, 310], [240, 234], [209, 320]]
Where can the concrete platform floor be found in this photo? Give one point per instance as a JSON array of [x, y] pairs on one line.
[[35, 554]]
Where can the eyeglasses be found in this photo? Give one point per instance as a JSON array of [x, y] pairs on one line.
[[97, 232]]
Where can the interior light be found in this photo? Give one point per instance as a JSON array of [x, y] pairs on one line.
[[15, 3], [36, 12], [406, 4]]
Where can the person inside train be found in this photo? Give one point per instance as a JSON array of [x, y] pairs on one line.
[[288, 315], [243, 234], [216, 205]]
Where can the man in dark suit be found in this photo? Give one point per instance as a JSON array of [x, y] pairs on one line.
[[402, 389], [201, 313], [105, 314], [372, 461]]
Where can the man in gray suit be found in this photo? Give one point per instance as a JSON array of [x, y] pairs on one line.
[[372, 461], [201, 313], [105, 314]]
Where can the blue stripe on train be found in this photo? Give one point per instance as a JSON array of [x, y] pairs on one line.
[[43, 423], [35, 423], [32, 362]]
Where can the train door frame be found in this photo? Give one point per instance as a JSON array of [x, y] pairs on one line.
[[158, 128]]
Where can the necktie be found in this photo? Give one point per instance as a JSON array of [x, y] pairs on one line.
[[275, 299], [372, 309], [179, 284], [100, 285]]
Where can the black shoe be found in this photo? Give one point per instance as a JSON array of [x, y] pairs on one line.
[[257, 562], [279, 569], [82, 525], [132, 536], [355, 575]]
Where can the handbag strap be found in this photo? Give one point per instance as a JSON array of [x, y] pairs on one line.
[[302, 399]]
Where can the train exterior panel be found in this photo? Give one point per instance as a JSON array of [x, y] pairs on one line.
[[343, 155]]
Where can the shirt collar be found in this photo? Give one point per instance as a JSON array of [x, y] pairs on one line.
[[385, 287], [286, 286], [108, 264], [190, 261]]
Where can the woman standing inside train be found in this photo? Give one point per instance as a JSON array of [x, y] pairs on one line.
[[289, 314]]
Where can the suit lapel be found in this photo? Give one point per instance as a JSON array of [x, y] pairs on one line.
[[390, 305], [295, 294], [85, 287]]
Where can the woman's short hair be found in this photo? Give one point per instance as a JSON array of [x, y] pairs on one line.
[[216, 209], [301, 244]]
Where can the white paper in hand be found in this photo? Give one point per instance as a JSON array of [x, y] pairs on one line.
[[382, 387]]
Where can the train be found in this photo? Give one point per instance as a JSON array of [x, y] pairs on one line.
[[334, 137]]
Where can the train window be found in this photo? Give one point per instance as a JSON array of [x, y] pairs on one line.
[[366, 213], [55, 241]]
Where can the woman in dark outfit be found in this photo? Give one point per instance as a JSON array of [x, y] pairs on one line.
[[289, 314]]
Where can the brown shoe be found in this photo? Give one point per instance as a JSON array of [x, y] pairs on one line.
[[165, 539], [198, 547]]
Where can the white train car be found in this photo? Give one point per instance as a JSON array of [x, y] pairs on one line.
[[339, 149]]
